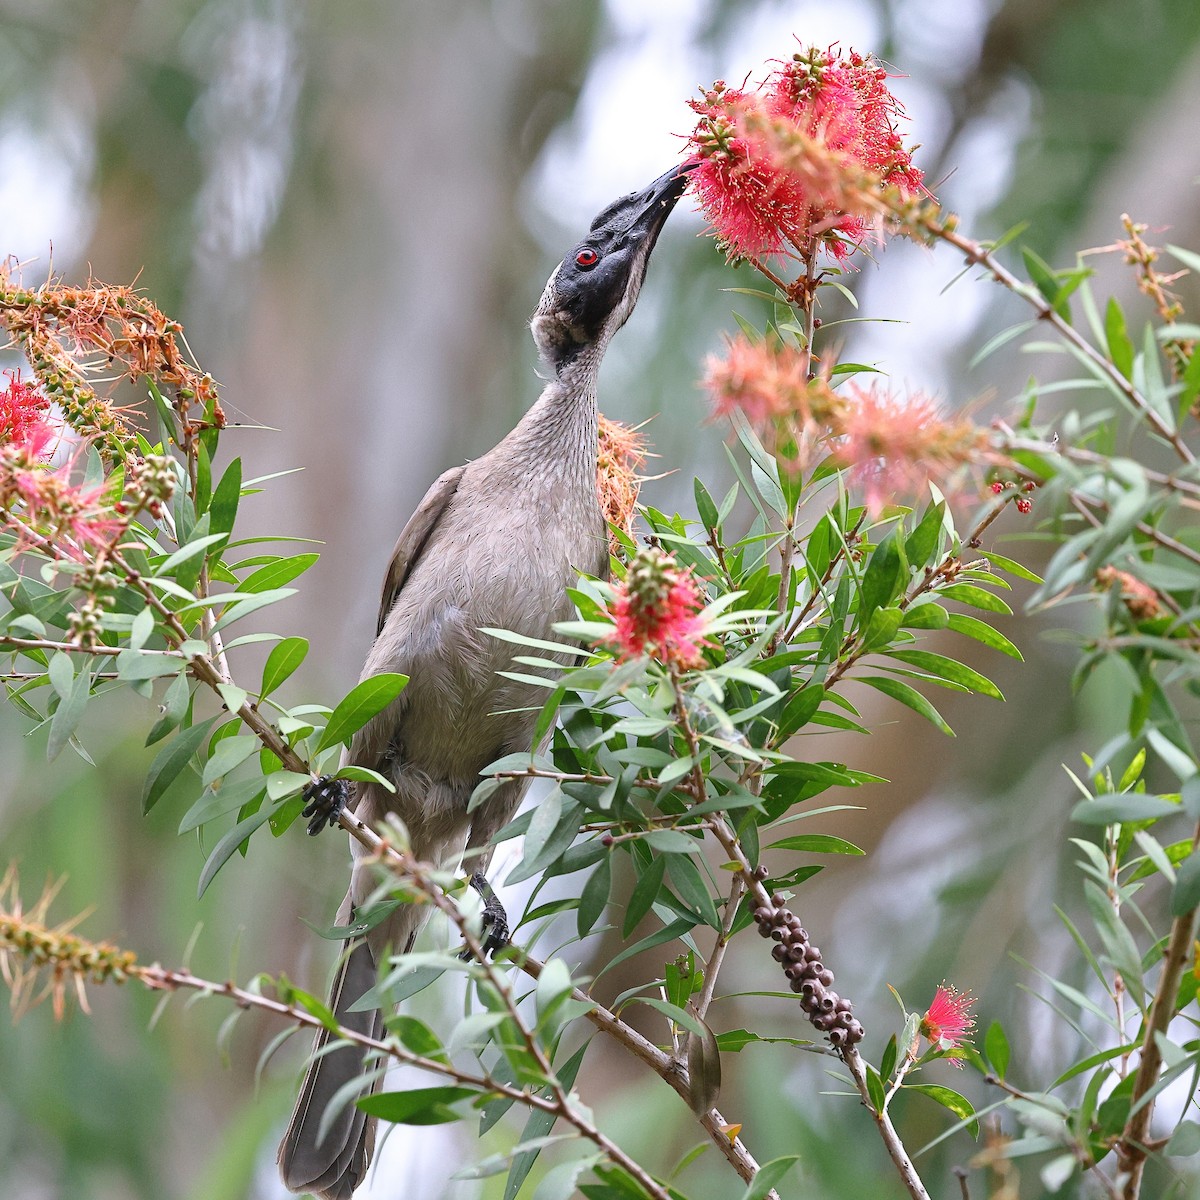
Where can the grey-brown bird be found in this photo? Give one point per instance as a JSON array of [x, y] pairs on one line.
[[495, 543]]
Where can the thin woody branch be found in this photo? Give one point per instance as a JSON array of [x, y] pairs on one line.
[[75, 956], [1132, 1148]]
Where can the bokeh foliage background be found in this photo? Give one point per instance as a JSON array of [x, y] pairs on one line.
[[353, 209]]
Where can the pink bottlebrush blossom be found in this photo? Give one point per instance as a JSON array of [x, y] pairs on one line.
[[655, 610], [896, 446], [947, 1022], [765, 380], [785, 166], [22, 413]]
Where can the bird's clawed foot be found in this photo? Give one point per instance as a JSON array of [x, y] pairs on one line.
[[325, 800], [495, 919]]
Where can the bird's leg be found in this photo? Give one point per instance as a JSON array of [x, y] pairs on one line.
[[325, 800], [495, 919]]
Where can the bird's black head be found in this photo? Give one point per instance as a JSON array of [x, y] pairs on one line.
[[593, 290]]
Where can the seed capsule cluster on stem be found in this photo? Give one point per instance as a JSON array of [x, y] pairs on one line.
[[807, 975]]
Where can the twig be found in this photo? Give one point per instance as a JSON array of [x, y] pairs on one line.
[[849, 1055], [1131, 1149], [737, 889], [929, 219], [75, 957]]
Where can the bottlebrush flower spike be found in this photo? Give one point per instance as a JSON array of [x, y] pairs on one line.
[[769, 381], [764, 380], [786, 166], [947, 1022], [22, 416], [656, 611], [896, 446]]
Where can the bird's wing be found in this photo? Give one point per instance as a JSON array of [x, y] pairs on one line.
[[413, 537]]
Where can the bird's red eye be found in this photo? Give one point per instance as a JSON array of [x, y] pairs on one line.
[[587, 257]]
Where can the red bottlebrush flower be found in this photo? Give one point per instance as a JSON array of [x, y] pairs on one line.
[[788, 164], [22, 411], [947, 1022], [749, 202], [897, 446], [656, 611]]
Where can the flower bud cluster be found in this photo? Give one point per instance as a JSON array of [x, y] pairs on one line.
[[807, 974], [151, 482]]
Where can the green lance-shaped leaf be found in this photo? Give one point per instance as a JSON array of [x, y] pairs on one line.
[[281, 662], [949, 1098], [922, 543], [539, 1125], [171, 760], [909, 696], [594, 896], [768, 1175], [973, 627], [224, 506], [817, 843], [278, 573], [995, 1046], [421, 1106], [644, 894], [364, 701], [883, 578]]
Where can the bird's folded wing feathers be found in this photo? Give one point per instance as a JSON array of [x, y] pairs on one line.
[[413, 537]]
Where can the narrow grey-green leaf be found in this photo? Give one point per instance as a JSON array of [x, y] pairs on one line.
[[539, 1125], [1185, 895], [688, 881], [1129, 806], [227, 846], [645, 892], [68, 715]]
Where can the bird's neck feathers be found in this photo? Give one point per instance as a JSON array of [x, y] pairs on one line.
[[558, 434]]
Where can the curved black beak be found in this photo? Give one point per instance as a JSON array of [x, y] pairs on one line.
[[644, 213]]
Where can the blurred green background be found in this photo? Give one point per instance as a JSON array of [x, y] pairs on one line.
[[353, 209]]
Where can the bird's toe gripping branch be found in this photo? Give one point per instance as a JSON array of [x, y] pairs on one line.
[[495, 919], [325, 800]]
